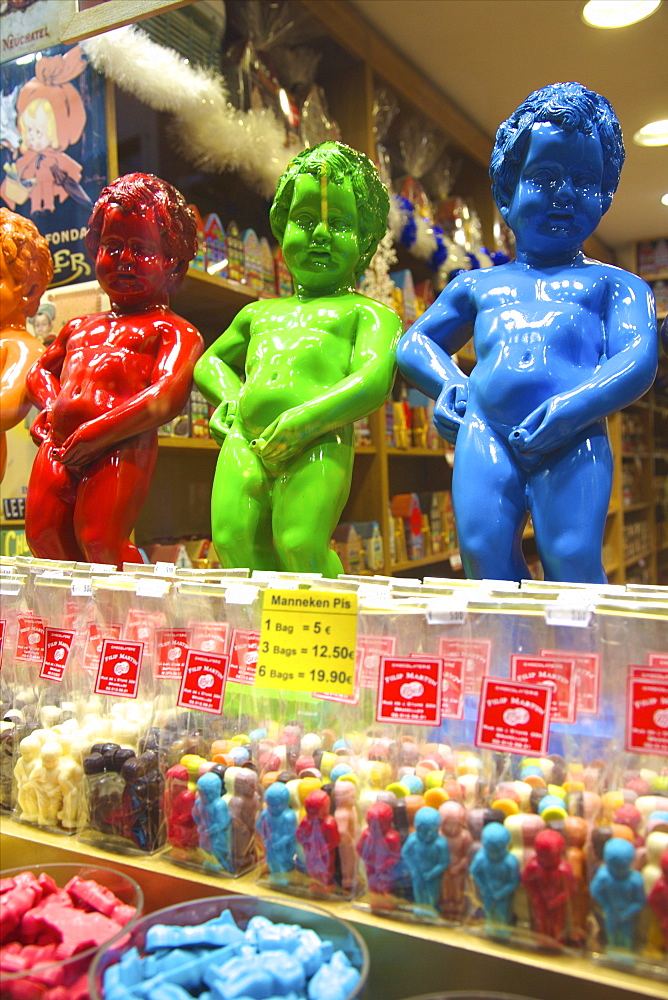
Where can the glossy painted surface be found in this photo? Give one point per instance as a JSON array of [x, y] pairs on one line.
[[619, 892], [289, 376], [26, 269], [109, 381], [561, 342]]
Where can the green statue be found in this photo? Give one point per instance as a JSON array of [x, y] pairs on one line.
[[289, 376]]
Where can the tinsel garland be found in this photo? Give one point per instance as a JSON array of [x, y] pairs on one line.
[[214, 134], [420, 236]]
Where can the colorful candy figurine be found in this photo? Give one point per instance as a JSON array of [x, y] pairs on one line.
[[496, 874], [460, 841], [109, 380], [561, 341], [658, 898], [277, 825], [319, 836], [244, 807], [426, 855], [178, 805], [26, 269], [290, 375], [212, 818], [619, 892], [345, 817], [379, 847], [549, 882], [575, 834]]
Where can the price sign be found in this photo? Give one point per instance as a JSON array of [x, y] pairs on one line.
[[307, 641]]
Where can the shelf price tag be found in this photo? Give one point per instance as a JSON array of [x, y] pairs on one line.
[[307, 641]]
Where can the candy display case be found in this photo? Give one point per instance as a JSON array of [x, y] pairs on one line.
[[474, 774]]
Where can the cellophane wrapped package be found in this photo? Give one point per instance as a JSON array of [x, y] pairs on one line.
[[123, 780]]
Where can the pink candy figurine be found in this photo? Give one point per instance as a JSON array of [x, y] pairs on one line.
[[380, 849], [458, 836], [548, 879], [658, 898], [319, 836]]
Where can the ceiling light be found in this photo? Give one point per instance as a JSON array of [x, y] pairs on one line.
[[664, 200], [654, 134], [617, 13]]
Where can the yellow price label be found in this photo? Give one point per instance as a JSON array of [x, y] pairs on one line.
[[307, 641]]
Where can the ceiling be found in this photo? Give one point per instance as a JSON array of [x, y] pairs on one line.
[[486, 56]]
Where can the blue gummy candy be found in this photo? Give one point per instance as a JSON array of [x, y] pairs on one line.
[[286, 970], [169, 991], [334, 981], [169, 936]]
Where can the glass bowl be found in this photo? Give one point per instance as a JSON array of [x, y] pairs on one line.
[[31, 984], [343, 936]]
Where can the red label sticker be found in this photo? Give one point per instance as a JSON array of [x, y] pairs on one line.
[[95, 637], [209, 637], [513, 717], [641, 671], [30, 640], [476, 653], [369, 650], [141, 624], [658, 660], [171, 648], [587, 677], [57, 645], [244, 646], [647, 717], [203, 682], [452, 688], [409, 690], [557, 673], [119, 667]]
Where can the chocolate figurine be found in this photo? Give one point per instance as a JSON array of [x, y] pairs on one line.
[[109, 380], [561, 342]]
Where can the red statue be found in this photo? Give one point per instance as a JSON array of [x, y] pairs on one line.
[[319, 836], [109, 380], [548, 879]]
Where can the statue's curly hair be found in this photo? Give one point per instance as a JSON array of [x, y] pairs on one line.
[[176, 222], [27, 256], [371, 197], [573, 108]]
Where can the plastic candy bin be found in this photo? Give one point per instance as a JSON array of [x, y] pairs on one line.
[[70, 974], [343, 937]]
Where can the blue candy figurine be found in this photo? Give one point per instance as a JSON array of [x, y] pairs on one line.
[[561, 341], [426, 855], [212, 818], [496, 873], [277, 825], [619, 892]]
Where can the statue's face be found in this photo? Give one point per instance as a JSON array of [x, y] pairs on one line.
[[321, 241], [557, 202], [131, 265]]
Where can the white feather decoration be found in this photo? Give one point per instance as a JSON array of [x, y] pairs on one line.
[[214, 133]]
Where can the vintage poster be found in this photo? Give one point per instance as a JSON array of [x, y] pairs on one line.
[[54, 150]]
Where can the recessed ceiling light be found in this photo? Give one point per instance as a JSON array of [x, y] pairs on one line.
[[654, 134], [617, 13], [664, 200]]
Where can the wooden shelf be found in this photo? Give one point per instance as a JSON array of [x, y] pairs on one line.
[[472, 961], [437, 557], [416, 453], [195, 444]]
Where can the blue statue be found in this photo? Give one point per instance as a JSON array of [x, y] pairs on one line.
[[277, 825], [620, 893], [427, 855], [212, 818], [561, 341], [496, 873]]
